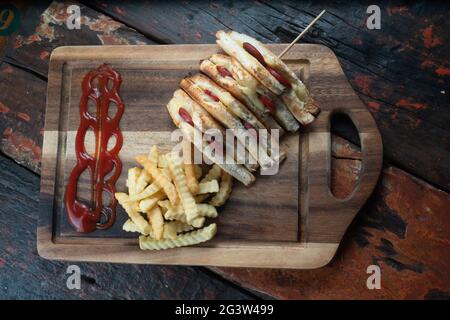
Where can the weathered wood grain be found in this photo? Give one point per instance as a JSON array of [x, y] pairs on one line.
[[22, 110], [45, 29], [400, 71], [403, 228], [24, 275]]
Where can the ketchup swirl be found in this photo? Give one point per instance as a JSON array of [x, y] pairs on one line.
[[96, 214]]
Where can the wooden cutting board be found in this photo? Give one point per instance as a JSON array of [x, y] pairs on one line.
[[290, 220]]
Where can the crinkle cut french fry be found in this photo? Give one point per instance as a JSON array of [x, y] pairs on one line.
[[166, 171], [164, 204], [182, 226], [132, 210], [213, 174], [226, 184], [130, 226], [133, 175], [153, 156], [201, 197], [170, 231], [177, 212], [208, 187], [162, 161], [192, 182], [142, 181], [159, 178], [147, 192], [186, 239], [157, 222], [146, 204], [198, 222], [207, 210], [165, 224], [172, 228], [179, 178], [189, 169], [173, 215]]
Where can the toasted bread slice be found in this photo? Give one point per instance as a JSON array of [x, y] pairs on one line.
[[236, 108], [297, 107], [203, 121], [297, 98], [219, 111], [237, 171], [236, 85], [234, 49], [248, 90], [233, 105]]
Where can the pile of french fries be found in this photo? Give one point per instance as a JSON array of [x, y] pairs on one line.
[[169, 200]]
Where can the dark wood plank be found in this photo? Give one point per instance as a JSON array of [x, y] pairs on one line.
[[22, 110], [24, 275], [400, 71], [403, 228], [44, 29]]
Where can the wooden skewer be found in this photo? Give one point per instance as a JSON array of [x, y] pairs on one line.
[[301, 34]]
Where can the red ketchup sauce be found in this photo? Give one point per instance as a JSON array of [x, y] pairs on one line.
[[87, 217], [224, 72], [212, 95], [285, 82], [186, 116], [258, 56], [254, 52], [268, 103]]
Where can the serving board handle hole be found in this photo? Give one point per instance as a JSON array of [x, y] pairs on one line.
[[344, 123]]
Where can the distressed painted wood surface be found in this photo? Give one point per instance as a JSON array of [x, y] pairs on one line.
[[400, 71]]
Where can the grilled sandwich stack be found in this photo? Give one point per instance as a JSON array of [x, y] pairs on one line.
[[248, 89]]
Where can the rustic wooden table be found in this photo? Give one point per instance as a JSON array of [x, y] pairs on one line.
[[401, 72]]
